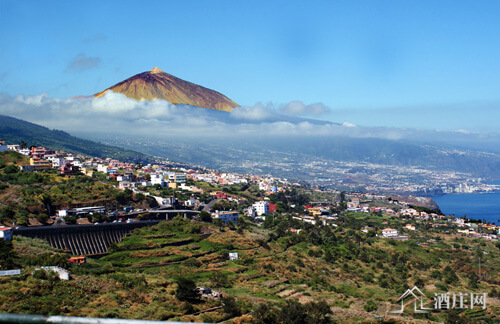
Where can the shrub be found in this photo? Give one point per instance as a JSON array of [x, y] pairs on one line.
[[192, 262], [186, 289], [370, 306], [441, 286], [230, 306], [11, 169]]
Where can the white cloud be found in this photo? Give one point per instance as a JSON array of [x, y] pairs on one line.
[[118, 115], [298, 108], [257, 112]]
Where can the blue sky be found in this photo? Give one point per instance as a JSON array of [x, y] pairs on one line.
[[419, 64]]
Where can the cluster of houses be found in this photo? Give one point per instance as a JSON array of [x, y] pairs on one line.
[[41, 158], [130, 176]]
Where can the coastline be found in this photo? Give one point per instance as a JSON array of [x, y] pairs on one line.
[[481, 206]]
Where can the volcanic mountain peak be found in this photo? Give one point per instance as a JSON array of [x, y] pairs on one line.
[[156, 70], [158, 85]]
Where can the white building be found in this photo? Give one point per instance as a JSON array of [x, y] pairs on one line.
[[5, 233], [264, 186], [102, 168], [56, 161], [190, 202], [261, 207], [250, 212], [388, 232], [126, 185], [157, 179], [18, 149], [227, 216]]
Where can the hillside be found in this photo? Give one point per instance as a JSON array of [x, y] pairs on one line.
[[323, 274], [15, 131], [158, 85]]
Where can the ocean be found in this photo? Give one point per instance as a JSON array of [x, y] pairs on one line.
[[475, 205]]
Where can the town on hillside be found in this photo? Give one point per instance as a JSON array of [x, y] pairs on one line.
[[226, 196]]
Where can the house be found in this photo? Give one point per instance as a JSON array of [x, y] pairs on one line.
[[250, 212], [190, 202], [261, 207], [226, 216], [221, 195], [410, 227], [367, 228], [5, 233], [19, 149], [126, 185], [68, 168], [40, 152], [389, 232], [177, 177], [40, 164], [157, 179], [272, 207]]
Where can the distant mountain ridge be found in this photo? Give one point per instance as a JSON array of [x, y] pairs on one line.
[[158, 85], [14, 131]]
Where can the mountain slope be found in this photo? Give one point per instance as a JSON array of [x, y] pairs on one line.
[[14, 131], [156, 84]]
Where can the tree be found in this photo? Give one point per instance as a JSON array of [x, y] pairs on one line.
[[219, 280], [370, 306], [219, 223], [70, 219], [224, 205], [205, 217], [265, 313], [319, 313], [186, 289], [10, 169], [7, 255], [293, 313], [230, 306], [231, 225], [42, 218]]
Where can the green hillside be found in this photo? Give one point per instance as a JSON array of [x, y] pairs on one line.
[[15, 131], [324, 274]]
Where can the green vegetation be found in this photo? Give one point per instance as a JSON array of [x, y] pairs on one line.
[[323, 274], [27, 197]]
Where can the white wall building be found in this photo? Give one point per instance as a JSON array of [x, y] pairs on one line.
[[157, 179], [388, 232], [261, 207]]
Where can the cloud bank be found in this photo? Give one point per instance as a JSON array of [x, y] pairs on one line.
[[115, 114]]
